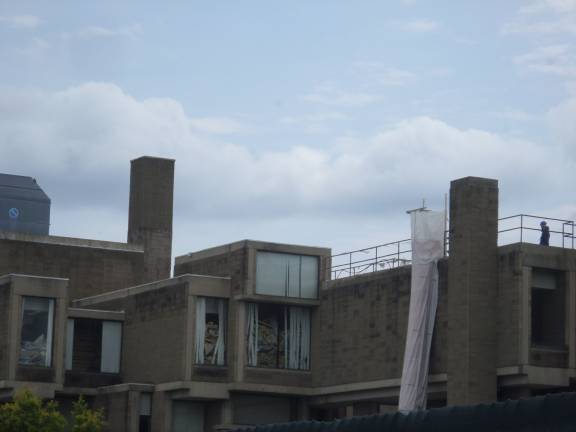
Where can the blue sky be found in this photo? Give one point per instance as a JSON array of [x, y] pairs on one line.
[[314, 122]]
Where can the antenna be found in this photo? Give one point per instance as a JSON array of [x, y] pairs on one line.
[[423, 208]]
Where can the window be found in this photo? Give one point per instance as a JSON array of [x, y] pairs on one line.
[[286, 275], [36, 331], [210, 331], [187, 416], [93, 345], [144, 423], [548, 308], [278, 336]]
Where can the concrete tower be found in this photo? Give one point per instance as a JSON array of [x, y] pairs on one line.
[[150, 214], [472, 291]]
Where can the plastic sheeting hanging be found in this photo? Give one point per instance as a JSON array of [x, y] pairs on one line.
[[427, 249]]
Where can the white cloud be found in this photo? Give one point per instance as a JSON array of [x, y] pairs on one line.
[[514, 115], [96, 32], [380, 74], [318, 123], [544, 17], [220, 125], [21, 21], [553, 59], [77, 143], [327, 94], [420, 26]]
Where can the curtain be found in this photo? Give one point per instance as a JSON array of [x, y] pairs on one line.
[[111, 346], [252, 333], [298, 353], [219, 350], [200, 329]]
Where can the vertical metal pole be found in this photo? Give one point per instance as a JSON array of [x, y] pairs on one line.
[[563, 225], [445, 224], [398, 262], [350, 269], [521, 226], [376, 259]]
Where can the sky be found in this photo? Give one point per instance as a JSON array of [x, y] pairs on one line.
[[315, 122]]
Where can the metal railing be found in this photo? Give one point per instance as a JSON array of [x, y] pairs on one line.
[[522, 227], [525, 228], [368, 260]]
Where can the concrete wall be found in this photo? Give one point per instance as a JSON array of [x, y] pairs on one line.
[[229, 262], [150, 214], [363, 322], [473, 291], [154, 336], [510, 313], [92, 267], [4, 329]]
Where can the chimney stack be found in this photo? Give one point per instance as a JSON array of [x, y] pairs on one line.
[[150, 214]]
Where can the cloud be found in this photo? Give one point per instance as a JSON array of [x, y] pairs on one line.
[[77, 142], [553, 59], [220, 125], [544, 17], [318, 123], [97, 32], [380, 74], [327, 94], [21, 21], [420, 26], [514, 115]]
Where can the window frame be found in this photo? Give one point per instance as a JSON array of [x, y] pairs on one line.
[[49, 349], [258, 290]]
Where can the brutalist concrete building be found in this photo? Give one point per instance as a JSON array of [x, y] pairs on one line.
[[254, 332]]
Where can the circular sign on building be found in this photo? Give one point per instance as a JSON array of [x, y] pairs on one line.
[[13, 213]]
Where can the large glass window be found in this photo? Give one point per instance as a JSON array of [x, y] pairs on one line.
[[93, 345], [36, 331], [210, 331], [278, 336], [286, 275]]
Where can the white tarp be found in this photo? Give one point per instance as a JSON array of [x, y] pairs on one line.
[[427, 249]]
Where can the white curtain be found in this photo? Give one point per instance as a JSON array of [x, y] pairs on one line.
[[286, 275], [219, 349], [252, 333], [111, 346], [298, 335], [200, 329], [427, 249]]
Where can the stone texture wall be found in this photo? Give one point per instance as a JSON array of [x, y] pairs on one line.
[[4, 330], [154, 335], [232, 264], [509, 307], [150, 214], [472, 299], [91, 271], [363, 322]]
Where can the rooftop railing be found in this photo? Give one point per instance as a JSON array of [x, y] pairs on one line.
[[521, 228]]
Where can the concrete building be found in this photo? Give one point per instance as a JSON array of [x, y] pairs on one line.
[[254, 332]]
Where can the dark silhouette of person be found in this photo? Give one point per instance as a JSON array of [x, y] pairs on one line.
[[545, 237]]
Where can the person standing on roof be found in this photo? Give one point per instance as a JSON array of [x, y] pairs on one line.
[[545, 237]]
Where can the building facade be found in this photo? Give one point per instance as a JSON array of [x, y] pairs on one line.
[[254, 332]]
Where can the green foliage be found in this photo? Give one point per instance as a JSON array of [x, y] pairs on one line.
[[85, 419], [27, 413]]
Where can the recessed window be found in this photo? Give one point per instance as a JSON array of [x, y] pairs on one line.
[[286, 275], [36, 331], [210, 331], [548, 308], [145, 408], [278, 336], [93, 345]]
